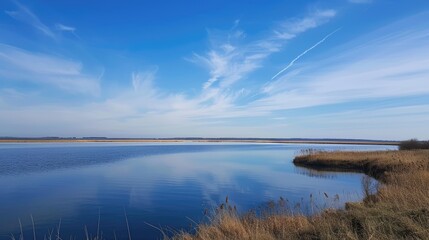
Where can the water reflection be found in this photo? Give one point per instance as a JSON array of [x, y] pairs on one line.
[[164, 185], [319, 173]]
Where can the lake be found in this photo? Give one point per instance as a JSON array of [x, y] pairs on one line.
[[92, 186]]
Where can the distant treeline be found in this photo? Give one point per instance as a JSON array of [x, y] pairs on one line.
[[413, 144]]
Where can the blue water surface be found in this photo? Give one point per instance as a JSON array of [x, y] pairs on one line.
[[95, 188]]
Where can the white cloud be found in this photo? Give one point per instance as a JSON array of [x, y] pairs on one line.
[[144, 79], [62, 27], [388, 63], [290, 28], [234, 61], [19, 64], [24, 15]]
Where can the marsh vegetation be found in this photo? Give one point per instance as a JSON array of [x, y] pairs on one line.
[[413, 144]]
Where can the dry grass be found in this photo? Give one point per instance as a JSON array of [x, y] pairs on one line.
[[399, 210], [374, 163]]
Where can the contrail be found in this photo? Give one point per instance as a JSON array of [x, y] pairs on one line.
[[303, 53]]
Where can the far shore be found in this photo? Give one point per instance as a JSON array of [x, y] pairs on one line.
[[208, 140]]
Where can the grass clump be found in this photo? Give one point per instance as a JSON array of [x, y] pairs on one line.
[[413, 144], [398, 210]]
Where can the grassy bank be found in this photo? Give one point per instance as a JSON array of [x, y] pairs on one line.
[[399, 209]]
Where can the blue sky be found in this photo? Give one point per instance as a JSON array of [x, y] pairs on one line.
[[334, 69]]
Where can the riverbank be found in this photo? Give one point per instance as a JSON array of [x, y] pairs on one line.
[[398, 210]]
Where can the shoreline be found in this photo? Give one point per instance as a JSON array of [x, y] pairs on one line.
[[376, 164], [326, 164], [280, 141]]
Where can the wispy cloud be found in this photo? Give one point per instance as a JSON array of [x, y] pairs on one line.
[[230, 60], [26, 16], [388, 63], [62, 27], [19, 64], [143, 79], [291, 28], [303, 53]]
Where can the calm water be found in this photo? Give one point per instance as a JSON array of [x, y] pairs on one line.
[[165, 185]]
